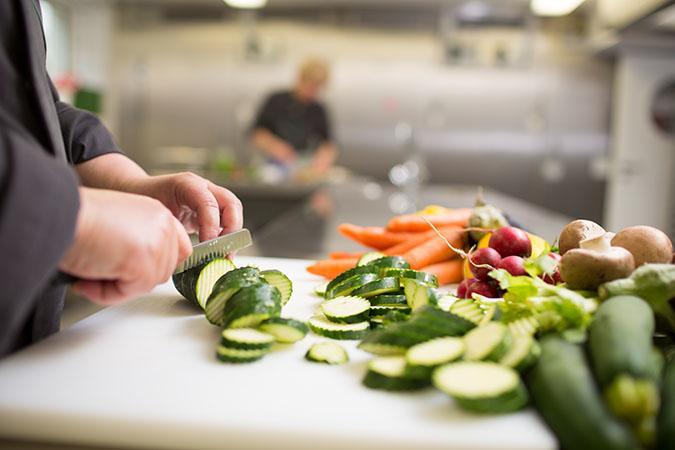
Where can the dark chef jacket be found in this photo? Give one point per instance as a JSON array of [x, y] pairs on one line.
[[40, 137]]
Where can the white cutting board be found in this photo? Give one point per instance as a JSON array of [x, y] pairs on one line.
[[144, 375]]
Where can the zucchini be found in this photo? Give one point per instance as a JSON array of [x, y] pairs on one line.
[[347, 274], [523, 353], [394, 262], [422, 358], [666, 419], [489, 343], [234, 355], [226, 286], [327, 353], [388, 373], [196, 284], [346, 309], [481, 387], [251, 306], [388, 300], [246, 339], [564, 392], [369, 257], [468, 309], [418, 294], [385, 285], [424, 277], [285, 331], [280, 281], [350, 285], [347, 331]]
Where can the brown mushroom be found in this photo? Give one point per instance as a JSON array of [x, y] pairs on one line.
[[577, 231], [647, 244], [595, 262]]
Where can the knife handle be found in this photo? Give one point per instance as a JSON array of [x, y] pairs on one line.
[[64, 278]]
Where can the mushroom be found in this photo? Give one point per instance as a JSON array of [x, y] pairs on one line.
[[577, 231], [647, 244], [595, 262]]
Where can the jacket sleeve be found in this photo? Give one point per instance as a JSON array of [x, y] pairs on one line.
[[84, 136], [39, 202]]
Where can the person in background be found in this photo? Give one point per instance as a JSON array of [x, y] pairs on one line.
[[70, 201], [293, 125]]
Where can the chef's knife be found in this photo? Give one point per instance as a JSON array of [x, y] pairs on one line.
[[204, 251]]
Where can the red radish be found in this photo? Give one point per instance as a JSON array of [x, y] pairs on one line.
[[482, 288], [484, 256], [464, 286], [510, 241], [554, 278], [515, 265]]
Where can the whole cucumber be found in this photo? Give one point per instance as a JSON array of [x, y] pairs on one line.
[[564, 393], [666, 421]]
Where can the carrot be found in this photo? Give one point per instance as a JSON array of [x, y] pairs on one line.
[[377, 238], [412, 223], [434, 250], [447, 271], [330, 268], [344, 255], [403, 247]]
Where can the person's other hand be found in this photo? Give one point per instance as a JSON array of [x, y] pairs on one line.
[[196, 202], [124, 245], [283, 152]]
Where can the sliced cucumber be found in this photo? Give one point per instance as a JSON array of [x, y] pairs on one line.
[[490, 342], [246, 339], [481, 386], [527, 326], [350, 285], [446, 301], [347, 274], [251, 306], [381, 310], [382, 349], [388, 299], [418, 294], [286, 331], [320, 290], [226, 286], [346, 309], [469, 309], [377, 287], [422, 358], [280, 281], [234, 355], [389, 373], [395, 262], [426, 278], [369, 257], [196, 284], [324, 327], [327, 353], [523, 353]]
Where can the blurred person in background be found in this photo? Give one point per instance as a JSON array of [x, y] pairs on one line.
[[292, 127], [70, 201]]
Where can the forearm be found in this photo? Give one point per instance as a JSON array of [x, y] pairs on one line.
[[112, 171], [328, 150], [270, 144]]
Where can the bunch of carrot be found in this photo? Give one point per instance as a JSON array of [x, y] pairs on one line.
[[411, 237]]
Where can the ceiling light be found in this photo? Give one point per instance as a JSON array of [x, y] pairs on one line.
[[554, 7], [246, 4]]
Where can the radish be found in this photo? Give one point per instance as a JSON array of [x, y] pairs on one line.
[[484, 257], [510, 241], [482, 288], [555, 277], [464, 286], [515, 265]]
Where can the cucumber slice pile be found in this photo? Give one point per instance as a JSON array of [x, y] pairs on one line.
[[469, 309], [388, 300], [285, 331], [482, 387], [369, 257], [418, 294], [226, 286], [389, 373], [427, 278], [346, 309], [196, 284], [251, 306], [386, 285], [340, 331], [281, 282], [327, 353], [350, 285]]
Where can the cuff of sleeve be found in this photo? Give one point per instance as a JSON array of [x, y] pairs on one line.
[[84, 136]]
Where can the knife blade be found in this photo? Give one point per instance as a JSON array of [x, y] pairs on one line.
[[215, 248]]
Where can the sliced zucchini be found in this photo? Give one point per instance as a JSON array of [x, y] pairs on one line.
[[350, 285], [196, 284], [425, 277], [388, 299], [481, 387], [234, 355], [251, 306], [369, 257], [346, 309], [347, 274], [422, 358], [377, 287], [280, 281], [446, 301], [226, 286], [320, 290], [523, 353], [388, 373], [469, 309], [490, 342], [327, 353], [341, 331], [246, 339], [526, 326], [395, 262], [286, 331], [418, 294]]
